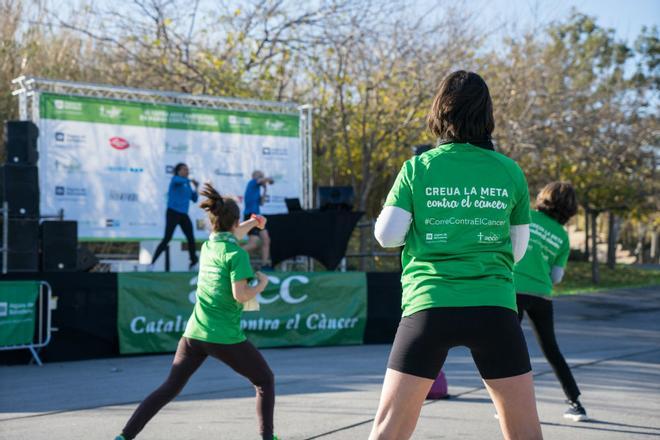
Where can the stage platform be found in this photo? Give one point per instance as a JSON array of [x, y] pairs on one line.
[[611, 340]]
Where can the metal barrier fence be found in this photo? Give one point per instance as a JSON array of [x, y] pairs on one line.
[[43, 323]]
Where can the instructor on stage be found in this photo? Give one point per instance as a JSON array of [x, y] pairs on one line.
[[181, 191], [255, 196]]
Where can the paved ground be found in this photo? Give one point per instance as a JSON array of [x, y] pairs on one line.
[[612, 340]]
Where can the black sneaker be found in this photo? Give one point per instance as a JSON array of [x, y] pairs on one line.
[[576, 412]]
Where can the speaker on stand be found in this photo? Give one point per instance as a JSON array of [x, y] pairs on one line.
[[59, 246], [19, 198]]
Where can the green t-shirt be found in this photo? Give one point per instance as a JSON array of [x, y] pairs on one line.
[[463, 200], [548, 247], [217, 315]]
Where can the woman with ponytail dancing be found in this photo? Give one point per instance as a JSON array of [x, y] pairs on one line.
[[214, 327]]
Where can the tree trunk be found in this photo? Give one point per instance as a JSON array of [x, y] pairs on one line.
[[595, 274], [586, 234], [639, 249], [612, 239], [654, 246]]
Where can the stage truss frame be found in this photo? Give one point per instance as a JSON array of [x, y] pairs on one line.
[[28, 89]]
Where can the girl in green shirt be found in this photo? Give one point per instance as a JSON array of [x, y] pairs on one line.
[[461, 211], [214, 327], [534, 276]]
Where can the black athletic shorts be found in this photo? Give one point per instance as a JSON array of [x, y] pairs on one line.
[[493, 335], [253, 231]]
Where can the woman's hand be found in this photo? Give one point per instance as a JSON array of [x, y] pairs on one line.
[[261, 220], [263, 280]]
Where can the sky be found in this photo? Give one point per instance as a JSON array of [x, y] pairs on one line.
[[626, 17]]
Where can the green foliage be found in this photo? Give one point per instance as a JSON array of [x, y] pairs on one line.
[[578, 278]]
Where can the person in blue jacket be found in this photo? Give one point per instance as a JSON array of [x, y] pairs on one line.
[[255, 196], [181, 191]]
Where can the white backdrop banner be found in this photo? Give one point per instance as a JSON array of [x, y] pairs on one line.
[[108, 163]]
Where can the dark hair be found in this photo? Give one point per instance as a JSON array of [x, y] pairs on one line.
[[177, 167], [223, 211], [557, 200], [462, 109]]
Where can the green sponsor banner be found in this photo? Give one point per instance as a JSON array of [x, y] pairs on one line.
[[111, 111], [17, 311], [296, 309]]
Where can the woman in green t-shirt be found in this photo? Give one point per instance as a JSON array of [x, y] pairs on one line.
[[214, 326], [534, 276], [461, 211]]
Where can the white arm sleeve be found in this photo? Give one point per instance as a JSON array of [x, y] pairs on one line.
[[392, 226], [519, 240], [557, 274]]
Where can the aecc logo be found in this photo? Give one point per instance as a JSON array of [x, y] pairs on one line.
[[284, 293]]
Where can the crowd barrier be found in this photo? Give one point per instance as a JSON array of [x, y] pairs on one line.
[[25, 316]]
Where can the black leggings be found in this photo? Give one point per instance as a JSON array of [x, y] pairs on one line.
[[172, 219], [492, 334], [243, 358], [540, 312]]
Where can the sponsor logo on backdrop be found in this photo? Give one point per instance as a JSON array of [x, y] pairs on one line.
[[223, 173], [275, 153], [176, 148], [225, 148], [169, 169], [70, 191], [124, 196], [111, 112], [111, 223], [67, 105], [143, 224], [3, 309], [123, 169], [118, 143], [69, 165], [275, 125], [239, 120], [70, 140]]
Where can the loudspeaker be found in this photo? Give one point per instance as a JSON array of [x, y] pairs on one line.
[[21, 142], [19, 186], [339, 198], [59, 246], [23, 254]]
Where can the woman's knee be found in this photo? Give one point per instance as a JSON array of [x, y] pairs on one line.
[[266, 379]]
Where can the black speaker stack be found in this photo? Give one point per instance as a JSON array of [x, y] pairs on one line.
[[19, 188]]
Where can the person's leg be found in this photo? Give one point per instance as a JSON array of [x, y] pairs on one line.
[[499, 350], [265, 247], [516, 406], [521, 303], [187, 228], [542, 317], [252, 244], [170, 224], [418, 353], [247, 361], [401, 401], [187, 360]]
